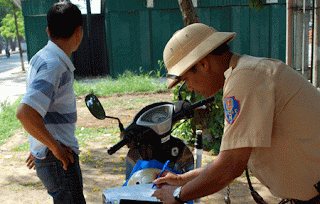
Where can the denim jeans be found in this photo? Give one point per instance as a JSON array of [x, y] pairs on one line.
[[65, 186]]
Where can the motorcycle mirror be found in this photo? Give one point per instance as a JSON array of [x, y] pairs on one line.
[[95, 107]]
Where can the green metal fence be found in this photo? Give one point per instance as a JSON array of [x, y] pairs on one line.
[[90, 59], [35, 12], [137, 35]]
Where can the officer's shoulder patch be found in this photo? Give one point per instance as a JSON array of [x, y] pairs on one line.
[[231, 109]]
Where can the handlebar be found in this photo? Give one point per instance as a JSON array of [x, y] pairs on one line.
[[189, 111], [129, 136], [117, 146], [201, 103], [185, 112]]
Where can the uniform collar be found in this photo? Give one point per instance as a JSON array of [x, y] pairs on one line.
[[233, 63], [62, 55]]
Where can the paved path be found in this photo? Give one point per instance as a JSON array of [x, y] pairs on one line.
[[12, 62], [12, 84]]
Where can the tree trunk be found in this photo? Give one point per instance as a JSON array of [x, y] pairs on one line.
[[18, 36], [189, 14]]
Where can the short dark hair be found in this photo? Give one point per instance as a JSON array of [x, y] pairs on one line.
[[221, 49], [63, 18]]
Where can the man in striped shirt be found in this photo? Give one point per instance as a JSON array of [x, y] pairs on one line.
[[48, 109]]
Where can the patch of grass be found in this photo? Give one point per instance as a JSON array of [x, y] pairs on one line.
[[23, 147], [85, 135], [32, 184], [127, 83], [129, 103], [98, 160], [92, 160], [8, 121]]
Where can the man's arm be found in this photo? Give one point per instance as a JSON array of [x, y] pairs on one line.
[[225, 168], [34, 125], [218, 174]]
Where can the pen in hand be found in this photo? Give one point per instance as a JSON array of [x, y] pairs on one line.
[[163, 169]]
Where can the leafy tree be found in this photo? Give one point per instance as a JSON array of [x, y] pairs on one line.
[[3, 11], [15, 11], [8, 28]]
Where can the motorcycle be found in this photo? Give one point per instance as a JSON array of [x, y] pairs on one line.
[[7, 52], [148, 137]]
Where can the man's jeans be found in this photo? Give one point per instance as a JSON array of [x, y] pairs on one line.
[[64, 186]]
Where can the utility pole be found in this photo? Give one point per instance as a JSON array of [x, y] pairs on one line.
[[93, 71], [301, 42], [316, 44], [289, 41], [18, 36]]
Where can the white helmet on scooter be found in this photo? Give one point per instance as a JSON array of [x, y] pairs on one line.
[[143, 176]]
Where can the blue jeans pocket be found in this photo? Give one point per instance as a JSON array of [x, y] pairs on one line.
[[49, 172]]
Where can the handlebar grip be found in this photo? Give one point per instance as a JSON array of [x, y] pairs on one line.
[[117, 146], [188, 112], [203, 102]]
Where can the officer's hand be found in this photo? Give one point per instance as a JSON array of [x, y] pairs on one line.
[[165, 194], [167, 178]]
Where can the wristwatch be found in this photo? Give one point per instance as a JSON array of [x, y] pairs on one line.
[[176, 195]]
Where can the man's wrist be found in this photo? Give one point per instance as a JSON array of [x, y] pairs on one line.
[[176, 195]]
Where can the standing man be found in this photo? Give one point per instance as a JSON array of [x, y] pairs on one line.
[[48, 109], [272, 117]]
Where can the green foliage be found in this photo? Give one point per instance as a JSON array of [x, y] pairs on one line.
[[257, 4], [8, 121], [3, 11], [210, 119], [6, 3], [85, 135], [161, 67], [8, 28], [22, 147]]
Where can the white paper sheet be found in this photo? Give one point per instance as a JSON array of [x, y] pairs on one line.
[[134, 192]]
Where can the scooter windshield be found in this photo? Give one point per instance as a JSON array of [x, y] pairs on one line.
[[159, 118]]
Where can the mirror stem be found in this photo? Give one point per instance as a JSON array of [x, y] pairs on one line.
[[179, 94], [121, 126]]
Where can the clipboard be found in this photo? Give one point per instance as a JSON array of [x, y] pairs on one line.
[[127, 201]]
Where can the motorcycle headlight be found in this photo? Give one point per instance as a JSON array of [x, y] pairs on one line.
[[159, 118]]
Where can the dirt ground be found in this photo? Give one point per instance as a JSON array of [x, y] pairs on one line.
[[100, 171]]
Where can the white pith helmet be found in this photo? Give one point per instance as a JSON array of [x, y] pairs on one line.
[[188, 46]]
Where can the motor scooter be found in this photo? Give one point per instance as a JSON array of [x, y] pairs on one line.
[[148, 137], [7, 53]]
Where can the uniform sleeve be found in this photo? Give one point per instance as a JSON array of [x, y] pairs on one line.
[[249, 109], [41, 89]]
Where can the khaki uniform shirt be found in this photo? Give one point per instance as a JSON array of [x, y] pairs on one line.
[[273, 109]]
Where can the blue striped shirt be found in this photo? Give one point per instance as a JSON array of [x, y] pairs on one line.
[[50, 92]]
